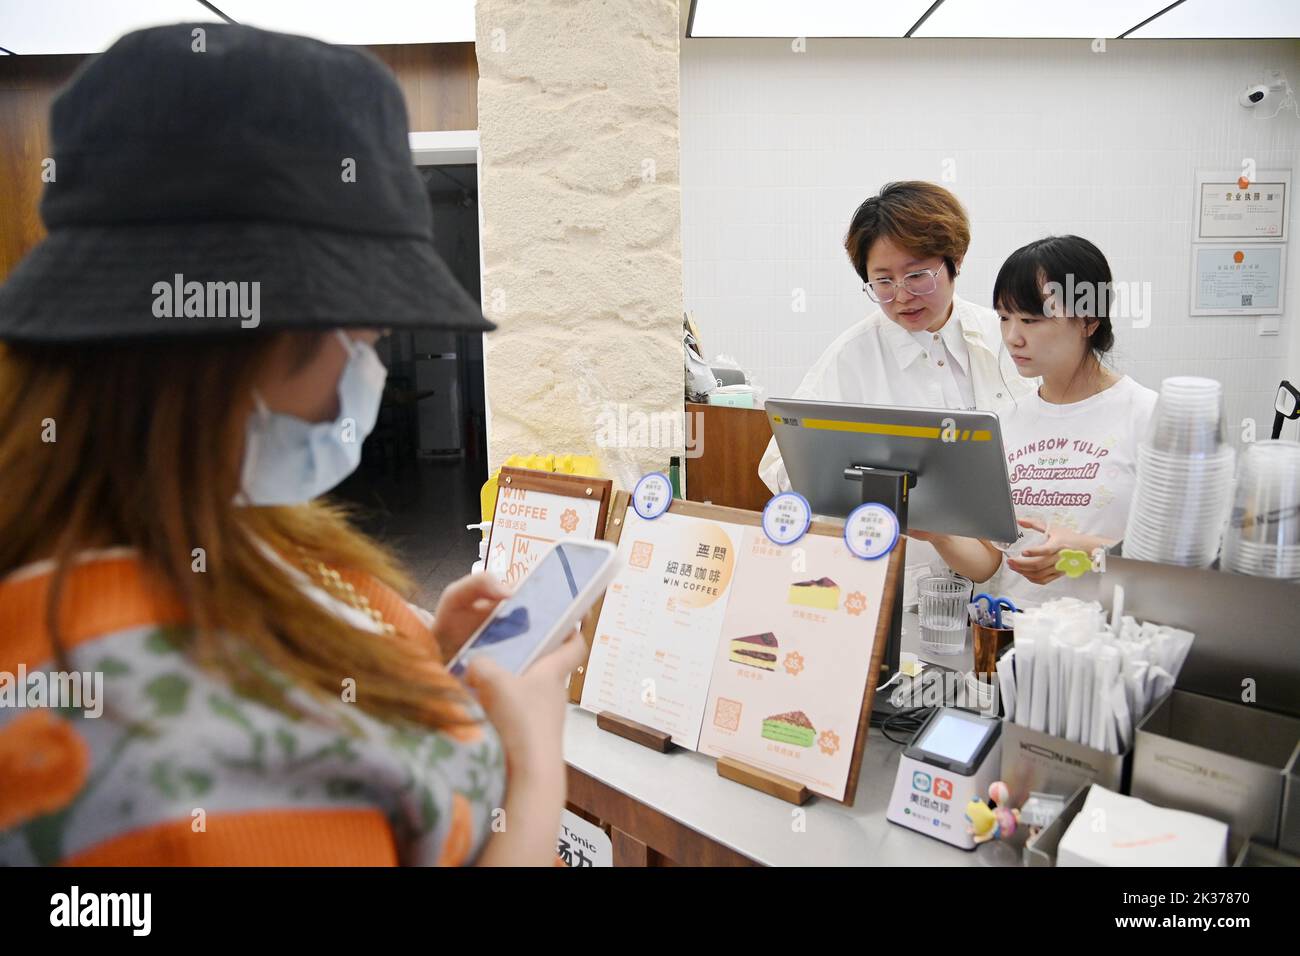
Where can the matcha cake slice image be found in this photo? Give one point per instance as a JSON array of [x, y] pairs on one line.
[[791, 728], [757, 650]]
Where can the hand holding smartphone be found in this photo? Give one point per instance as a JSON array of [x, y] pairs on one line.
[[566, 581]]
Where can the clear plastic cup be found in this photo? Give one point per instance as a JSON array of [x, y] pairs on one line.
[[1185, 467], [1188, 418], [1263, 533], [943, 599]]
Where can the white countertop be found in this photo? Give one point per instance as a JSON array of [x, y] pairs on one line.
[[685, 786]]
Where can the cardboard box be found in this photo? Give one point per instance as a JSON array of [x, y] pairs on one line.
[[1223, 760]]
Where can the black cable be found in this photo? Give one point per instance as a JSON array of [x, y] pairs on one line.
[[925, 16], [1158, 13], [207, 4], [905, 722]]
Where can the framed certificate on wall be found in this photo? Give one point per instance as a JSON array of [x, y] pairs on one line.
[[1233, 208], [1238, 279]]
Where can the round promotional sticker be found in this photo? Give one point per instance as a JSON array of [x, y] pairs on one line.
[[871, 531], [652, 495], [786, 517]]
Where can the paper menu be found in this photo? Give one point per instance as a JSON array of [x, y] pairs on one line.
[[793, 659], [655, 642], [526, 521]]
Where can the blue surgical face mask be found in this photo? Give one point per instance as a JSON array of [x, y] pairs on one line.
[[288, 461]]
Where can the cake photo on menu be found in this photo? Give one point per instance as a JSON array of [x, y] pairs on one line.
[[791, 728], [823, 594], [757, 650]]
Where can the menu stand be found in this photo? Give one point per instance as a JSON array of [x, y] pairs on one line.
[[636, 732], [888, 487], [764, 781], [730, 768]]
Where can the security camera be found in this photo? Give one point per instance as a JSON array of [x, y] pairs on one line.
[[1271, 89], [1254, 95]]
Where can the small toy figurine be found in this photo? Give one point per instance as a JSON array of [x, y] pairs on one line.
[[992, 820]]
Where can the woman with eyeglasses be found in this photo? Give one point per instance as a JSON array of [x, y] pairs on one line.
[[923, 345]]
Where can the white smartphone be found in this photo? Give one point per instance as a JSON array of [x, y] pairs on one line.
[[549, 602]]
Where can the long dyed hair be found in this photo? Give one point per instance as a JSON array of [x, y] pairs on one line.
[[147, 454]]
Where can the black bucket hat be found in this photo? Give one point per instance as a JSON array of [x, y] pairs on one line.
[[213, 178]]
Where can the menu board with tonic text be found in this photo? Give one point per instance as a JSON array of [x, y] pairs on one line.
[[741, 648]]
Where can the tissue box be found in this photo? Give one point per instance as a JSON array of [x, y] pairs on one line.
[[735, 396], [1114, 830], [1034, 760], [1224, 760]]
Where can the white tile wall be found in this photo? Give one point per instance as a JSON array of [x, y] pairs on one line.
[[778, 148]]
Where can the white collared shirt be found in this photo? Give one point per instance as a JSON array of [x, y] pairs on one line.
[[947, 350], [877, 362]]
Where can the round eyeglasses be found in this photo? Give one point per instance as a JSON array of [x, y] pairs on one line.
[[916, 283]]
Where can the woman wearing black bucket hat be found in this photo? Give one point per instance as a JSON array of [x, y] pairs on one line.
[[186, 362]]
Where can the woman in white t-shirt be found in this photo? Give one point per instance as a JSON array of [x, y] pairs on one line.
[[1072, 446]]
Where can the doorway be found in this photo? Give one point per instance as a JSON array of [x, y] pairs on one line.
[[426, 459]]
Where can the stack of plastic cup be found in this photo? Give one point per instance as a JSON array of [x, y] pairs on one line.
[[1184, 477], [1263, 535], [942, 612]]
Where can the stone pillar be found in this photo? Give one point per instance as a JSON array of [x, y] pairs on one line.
[[581, 229]]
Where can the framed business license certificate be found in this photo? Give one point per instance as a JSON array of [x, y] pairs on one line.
[[1230, 208], [1238, 280]]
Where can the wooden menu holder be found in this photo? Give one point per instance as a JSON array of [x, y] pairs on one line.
[[613, 530], [729, 767], [635, 732], [763, 780]]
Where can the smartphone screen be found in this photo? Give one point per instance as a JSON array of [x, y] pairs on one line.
[[523, 620]]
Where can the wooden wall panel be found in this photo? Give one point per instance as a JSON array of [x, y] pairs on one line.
[[27, 88], [731, 442], [439, 81]]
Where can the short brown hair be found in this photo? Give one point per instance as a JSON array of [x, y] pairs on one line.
[[918, 216]]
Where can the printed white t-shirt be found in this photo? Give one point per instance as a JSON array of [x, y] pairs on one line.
[[1073, 466]]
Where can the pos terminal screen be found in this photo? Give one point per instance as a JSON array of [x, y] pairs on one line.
[[954, 739]]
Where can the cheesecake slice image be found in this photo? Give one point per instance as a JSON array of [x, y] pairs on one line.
[[823, 594], [792, 728], [757, 650]]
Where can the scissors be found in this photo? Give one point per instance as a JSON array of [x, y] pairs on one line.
[[996, 605]]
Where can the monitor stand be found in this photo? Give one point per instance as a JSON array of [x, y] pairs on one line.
[[888, 487]]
